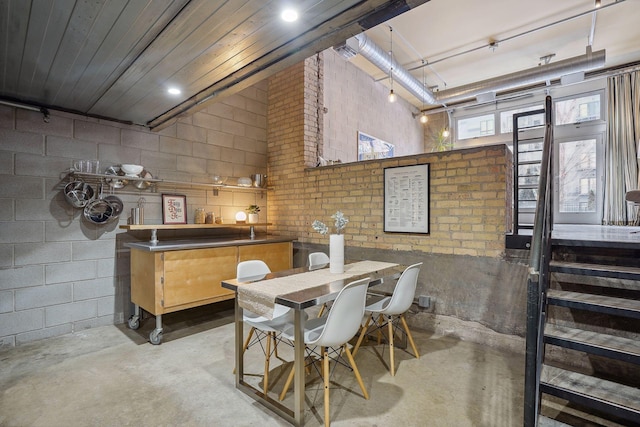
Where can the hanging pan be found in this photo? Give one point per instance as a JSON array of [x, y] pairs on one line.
[[78, 193], [99, 211]]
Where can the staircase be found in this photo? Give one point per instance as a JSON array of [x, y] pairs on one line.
[[590, 367], [583, 332]]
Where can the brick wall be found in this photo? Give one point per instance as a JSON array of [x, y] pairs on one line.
[[59, 273], [467, 203], [468, 187], [476, 293]]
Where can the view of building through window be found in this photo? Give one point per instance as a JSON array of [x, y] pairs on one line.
[[578, 110], [577, 176], [506, 118], [477, 126]]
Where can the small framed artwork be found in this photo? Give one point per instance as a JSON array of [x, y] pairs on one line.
[[406, 199], [370, 148], [174, 209]]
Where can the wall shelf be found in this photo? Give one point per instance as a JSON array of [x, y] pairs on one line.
[[214, 187], [155, 227]]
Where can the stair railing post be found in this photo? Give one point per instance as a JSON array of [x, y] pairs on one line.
[[539, 258]]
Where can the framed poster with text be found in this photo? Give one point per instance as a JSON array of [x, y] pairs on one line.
[[174, 209], [406, 199]]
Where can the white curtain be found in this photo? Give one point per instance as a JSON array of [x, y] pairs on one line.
[[623, 137]]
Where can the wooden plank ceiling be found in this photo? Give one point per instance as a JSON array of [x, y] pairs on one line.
[[116, 58]]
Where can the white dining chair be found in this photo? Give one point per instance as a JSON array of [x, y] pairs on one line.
[[266, 330], [319, 260], [331, 334], [389, 312]]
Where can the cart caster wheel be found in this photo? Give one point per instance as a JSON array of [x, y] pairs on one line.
[[155, 337], [134, 322]]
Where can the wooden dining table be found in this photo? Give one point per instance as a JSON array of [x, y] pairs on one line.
[[297, 288]]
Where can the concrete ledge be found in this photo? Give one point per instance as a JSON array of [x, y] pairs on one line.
[[465, 331]]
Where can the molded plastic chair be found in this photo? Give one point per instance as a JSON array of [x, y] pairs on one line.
[[390, 311], [333, 332], [262, 326], [318, 260]]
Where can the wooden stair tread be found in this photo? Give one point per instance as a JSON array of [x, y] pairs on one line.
[[596, 388], [612, 305], [615, 271], [624, 346]]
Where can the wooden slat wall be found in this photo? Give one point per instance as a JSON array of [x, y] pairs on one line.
[[115, 58]]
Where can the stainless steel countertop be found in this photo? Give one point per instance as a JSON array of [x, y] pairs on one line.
[[176, 245]]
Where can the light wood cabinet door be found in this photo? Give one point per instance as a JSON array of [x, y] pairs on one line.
[[195, 275], [278, 256]]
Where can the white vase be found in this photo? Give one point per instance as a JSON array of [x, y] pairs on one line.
[[336, 253], [253, 218]]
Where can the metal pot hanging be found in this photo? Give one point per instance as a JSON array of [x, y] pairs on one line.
[[78, 193], [99, 211]]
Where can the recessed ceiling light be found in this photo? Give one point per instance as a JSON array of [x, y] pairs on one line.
[[174, 91], [289, 15]]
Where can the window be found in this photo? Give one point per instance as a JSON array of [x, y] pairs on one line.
[[506, 119], [577, 176], [478, 126], [578, 110]]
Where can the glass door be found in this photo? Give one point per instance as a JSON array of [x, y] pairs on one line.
[[578, 180]]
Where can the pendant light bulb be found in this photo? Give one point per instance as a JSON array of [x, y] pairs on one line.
[[392, 96], [423, 118], [445, 133]]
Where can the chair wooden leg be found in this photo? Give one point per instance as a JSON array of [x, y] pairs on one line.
[[380, 322], [363, 332], [248, 340], [325, 374], [391, 349], [322, 308], [406, 329], [246, 344], [287, 384], [267, 356], [356, 372]]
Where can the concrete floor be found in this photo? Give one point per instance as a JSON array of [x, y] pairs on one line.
[[111, 376]]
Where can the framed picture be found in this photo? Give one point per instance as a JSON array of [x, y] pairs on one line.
[[370, 148], [406, 199], [174, 209]]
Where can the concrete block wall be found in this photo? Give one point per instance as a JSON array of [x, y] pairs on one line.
[[59, 273], [354, 102]]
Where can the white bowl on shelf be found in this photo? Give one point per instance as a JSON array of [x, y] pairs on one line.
[[131, 170], [244, 182]]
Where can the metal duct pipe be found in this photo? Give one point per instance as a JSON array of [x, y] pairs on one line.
[[587, 62], [377, 56]]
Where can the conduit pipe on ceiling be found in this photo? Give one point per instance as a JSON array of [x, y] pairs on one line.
[[587, 62], [363, 45]]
